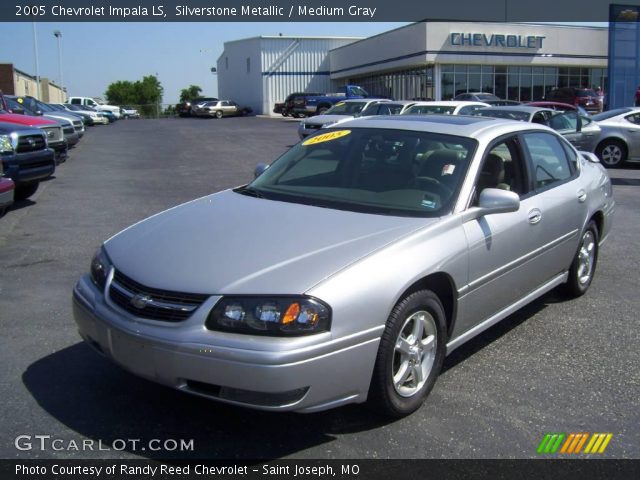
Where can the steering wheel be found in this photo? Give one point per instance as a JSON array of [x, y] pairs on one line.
[[435, 186]]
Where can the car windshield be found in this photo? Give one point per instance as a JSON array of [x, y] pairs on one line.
[[428, 109], [585, 93], [359, 91], [346, 108], [371, 170], [44, 107], [508, 114], [611, 114]]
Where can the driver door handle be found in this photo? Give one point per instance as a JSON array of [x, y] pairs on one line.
[[534, 216]]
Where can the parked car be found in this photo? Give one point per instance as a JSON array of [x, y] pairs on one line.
[[109, 116], [502, 103], [95, 102], [87, 120], [387, 107], [558, 106], [71, 132], [40, 108], [219, 109], [620, 137], [96, 116], [384, 244], [580, 130], [7, 189], [286, 108], [477, 97], [584, 97], [520, 113], [451, 107], [129, 112], [341, 111], [53, 129], [184, 109], [25, 158]]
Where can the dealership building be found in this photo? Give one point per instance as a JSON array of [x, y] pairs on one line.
[[426, 60]]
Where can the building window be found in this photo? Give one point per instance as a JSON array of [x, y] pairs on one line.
[[248, 65]]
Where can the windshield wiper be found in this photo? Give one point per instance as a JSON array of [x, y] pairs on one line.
[[250, 192]]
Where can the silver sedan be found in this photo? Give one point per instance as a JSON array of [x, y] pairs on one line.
[[620, 138], [350, 267]]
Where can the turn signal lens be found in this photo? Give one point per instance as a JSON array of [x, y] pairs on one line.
[[292, 313]]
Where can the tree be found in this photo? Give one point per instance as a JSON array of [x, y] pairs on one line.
[[189, 93], [145, 93]]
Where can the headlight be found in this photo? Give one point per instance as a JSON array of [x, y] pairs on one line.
[[6, 145], [324, 125], [276, 316], [100, 267]]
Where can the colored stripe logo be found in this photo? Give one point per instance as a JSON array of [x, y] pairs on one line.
[[573, 443]]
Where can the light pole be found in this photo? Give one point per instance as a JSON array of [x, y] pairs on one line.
[[35, 53], [58, 35]]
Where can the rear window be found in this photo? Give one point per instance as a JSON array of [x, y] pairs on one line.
[[429, 109]]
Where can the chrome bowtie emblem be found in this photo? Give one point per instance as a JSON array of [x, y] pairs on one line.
[[140, 301]]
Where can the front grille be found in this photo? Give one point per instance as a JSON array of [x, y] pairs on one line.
[[311, 126], [152, 303], [30, 143], [68, 130]]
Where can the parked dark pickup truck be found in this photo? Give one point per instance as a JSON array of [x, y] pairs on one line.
[[25, 157], [286, 108], [308, 105]]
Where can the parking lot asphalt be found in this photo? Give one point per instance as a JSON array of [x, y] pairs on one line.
[[555, 366]]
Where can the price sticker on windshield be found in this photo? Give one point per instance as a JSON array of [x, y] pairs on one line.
[[326, 137]]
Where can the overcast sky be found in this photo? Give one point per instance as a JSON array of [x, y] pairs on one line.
[[96, 54]]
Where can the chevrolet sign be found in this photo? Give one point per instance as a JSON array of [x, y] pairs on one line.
[[495, 40]]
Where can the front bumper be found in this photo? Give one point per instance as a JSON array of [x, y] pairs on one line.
[[284, 374], [307, 128], [29, 167]]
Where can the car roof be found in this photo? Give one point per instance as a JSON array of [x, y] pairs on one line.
[[449, 103], [517, 108], [460, 125]]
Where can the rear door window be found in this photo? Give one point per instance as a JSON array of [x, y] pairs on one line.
[[548, 158]]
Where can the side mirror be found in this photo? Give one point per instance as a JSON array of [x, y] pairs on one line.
[[259, 170], [492, 201], [38, 112], [17, 110]]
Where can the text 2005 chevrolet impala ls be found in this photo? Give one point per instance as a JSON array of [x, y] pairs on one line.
[[350, 267]]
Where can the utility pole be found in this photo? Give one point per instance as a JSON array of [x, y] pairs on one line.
[[35, 53]]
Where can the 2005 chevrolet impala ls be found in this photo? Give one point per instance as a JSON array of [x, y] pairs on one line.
[[349, 268]]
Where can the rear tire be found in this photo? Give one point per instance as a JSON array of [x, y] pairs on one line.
[[23, 192], [583, 267], [218, 114], [410, 355]]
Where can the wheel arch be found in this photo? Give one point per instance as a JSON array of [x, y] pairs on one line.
[[613, 139], [441, 284]]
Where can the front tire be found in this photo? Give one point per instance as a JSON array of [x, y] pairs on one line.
[[23, 192], [410, 356], [612, 153], [583, 267]]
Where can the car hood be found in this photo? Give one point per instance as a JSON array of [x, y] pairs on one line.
[[228, 243], [25, 119], [322, 119]]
